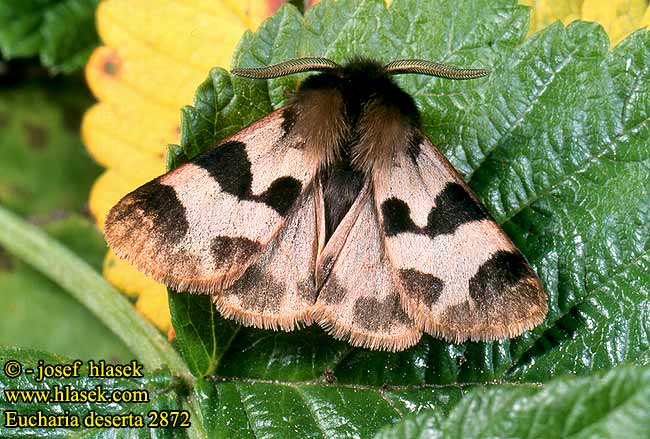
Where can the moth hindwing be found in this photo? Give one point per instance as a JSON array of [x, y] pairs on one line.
[[335, 209]]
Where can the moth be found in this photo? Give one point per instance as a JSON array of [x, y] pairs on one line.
[[335, 209]]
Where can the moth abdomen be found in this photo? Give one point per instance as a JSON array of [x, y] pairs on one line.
[[341, 186]]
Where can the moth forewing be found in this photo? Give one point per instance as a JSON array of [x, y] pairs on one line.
[[461, 275], [199, 227]]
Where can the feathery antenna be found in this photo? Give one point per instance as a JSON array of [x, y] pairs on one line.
[[431, 68], [288, 67]]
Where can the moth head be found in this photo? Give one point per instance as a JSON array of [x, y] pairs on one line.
[[397, 67], [354, 110]]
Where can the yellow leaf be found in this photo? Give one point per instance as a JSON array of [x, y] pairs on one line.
[[153, 304], [155, 55], [124, 276], [118, 150], [545, 12], [646, 18], [151, 295], [618, 17], [107, 190]]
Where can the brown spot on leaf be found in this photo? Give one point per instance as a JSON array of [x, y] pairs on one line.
[[56, 214], [273, 5], [37, 136], [111, 64], [4, 119], [6, 264], [171, 333]]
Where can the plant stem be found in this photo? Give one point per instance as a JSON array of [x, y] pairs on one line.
[[73, 274]]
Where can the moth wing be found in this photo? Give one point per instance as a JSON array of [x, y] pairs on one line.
[[461, 276], [278, 290], [359, 300], [199, 227]]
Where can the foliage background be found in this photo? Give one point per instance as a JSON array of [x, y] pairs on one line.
[[588, 243]]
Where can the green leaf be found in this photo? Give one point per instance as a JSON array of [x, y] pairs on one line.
[[61, 32], [39, 126], [33, 307], [596, 213], [425, 425], [81, 281], [555, 142], [160, 387], [253, 408], [202, 345], [607, 405]]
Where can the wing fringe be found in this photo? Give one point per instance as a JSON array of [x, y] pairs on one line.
[[363, 339], [285, 322], [456, 327]]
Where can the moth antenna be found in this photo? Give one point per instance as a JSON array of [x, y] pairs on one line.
[[431, 68], [289, 67]]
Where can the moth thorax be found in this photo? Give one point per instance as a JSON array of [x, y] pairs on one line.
[[381, 131], [320, 123]]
